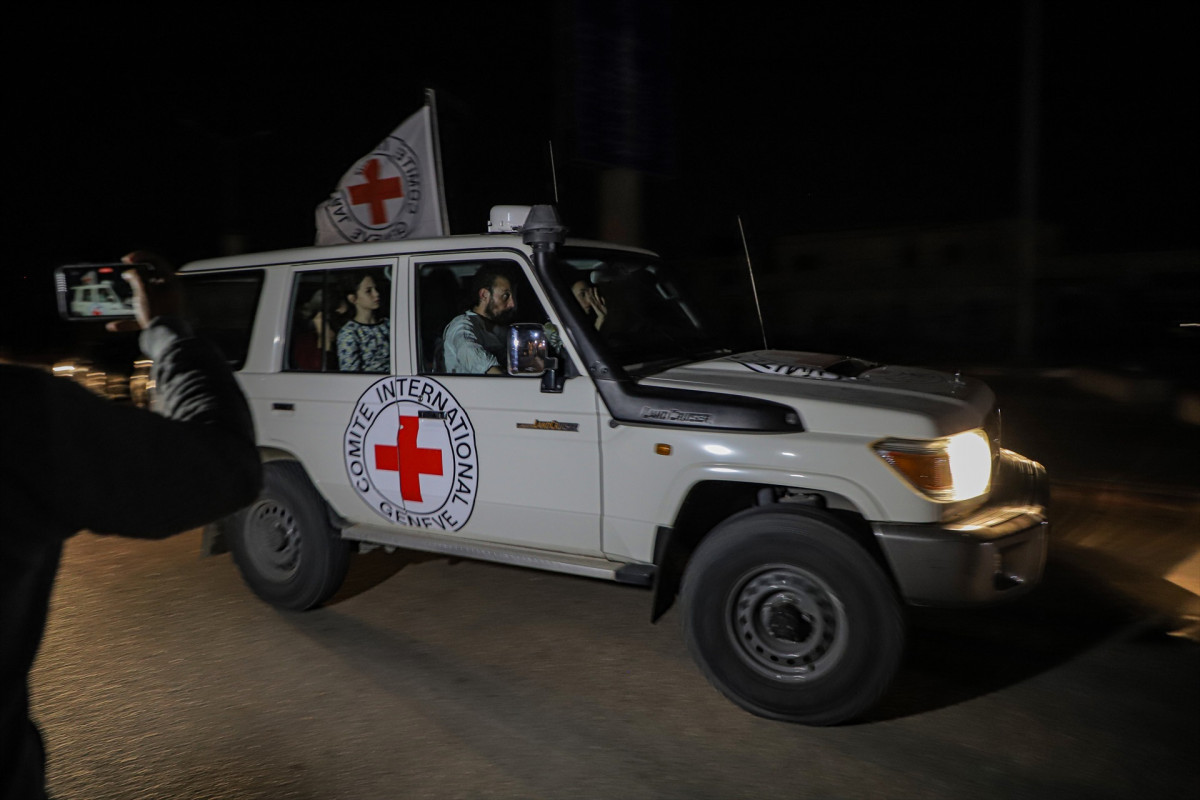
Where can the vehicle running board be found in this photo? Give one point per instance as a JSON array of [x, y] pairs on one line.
[[586, 566]]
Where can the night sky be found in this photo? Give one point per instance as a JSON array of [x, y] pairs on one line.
[[166, 133]]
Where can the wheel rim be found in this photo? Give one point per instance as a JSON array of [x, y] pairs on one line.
[[273, 541], [786, 623]]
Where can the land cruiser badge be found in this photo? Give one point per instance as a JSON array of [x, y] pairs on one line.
[[410, 453]]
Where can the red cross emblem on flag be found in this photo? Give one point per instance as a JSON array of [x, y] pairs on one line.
[[408, 459], [376, 191]]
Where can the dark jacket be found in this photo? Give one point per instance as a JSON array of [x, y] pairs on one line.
[[70, 461]]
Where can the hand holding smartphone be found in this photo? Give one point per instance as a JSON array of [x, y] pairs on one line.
[[93, 292], [125, 294]]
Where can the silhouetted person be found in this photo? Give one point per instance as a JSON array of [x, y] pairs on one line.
[[71, 460]]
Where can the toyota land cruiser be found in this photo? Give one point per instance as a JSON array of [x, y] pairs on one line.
[[792, 502]]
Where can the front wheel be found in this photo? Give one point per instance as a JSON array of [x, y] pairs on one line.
[[283, 544], [790, 618]]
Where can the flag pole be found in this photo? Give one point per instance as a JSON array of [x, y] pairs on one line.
[[431, 101]]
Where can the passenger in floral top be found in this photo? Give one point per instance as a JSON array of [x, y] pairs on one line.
[[364, 343]]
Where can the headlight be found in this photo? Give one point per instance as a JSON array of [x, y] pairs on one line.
[[957, 467]]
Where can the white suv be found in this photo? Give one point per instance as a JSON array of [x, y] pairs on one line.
[[101, 299], [793, 501]]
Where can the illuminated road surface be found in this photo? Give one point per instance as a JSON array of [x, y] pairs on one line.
[[162, 677]]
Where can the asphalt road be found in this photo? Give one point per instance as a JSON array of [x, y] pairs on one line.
[[162, 677]]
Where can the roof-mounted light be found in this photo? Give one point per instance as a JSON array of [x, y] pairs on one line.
[[507, 219]]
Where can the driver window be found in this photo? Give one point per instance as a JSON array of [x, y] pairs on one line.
[[464, 310]]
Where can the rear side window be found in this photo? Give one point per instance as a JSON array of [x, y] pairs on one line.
[[340, 320], [221, 308]]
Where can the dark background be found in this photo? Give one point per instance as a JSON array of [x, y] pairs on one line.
[[194, 133]]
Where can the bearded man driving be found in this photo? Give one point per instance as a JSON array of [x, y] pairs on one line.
[[474, 341]]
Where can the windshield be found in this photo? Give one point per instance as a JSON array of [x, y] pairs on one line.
[[651, 315]]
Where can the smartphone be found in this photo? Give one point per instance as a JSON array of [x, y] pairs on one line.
[[94, 291]]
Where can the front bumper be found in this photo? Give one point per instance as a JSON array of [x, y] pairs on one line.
[[996, 553]]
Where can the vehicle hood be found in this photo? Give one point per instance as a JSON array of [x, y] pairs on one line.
[[839, 394]]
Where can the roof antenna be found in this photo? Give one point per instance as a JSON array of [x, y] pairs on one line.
[[553, 172], [753, 286]]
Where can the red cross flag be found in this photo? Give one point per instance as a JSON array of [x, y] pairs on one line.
[[393, 192]]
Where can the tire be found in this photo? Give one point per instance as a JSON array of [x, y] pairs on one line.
[[790, 618], [283, 544]]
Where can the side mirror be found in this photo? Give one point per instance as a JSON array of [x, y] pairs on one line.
[[528, 350]]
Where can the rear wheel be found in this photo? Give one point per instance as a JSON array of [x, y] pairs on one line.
[[791, 618], [283, 544]]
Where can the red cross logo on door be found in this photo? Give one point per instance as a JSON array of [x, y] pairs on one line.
[[376, 192], [409, 460]]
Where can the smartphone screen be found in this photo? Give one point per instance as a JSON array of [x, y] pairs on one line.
[[93, 292]]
